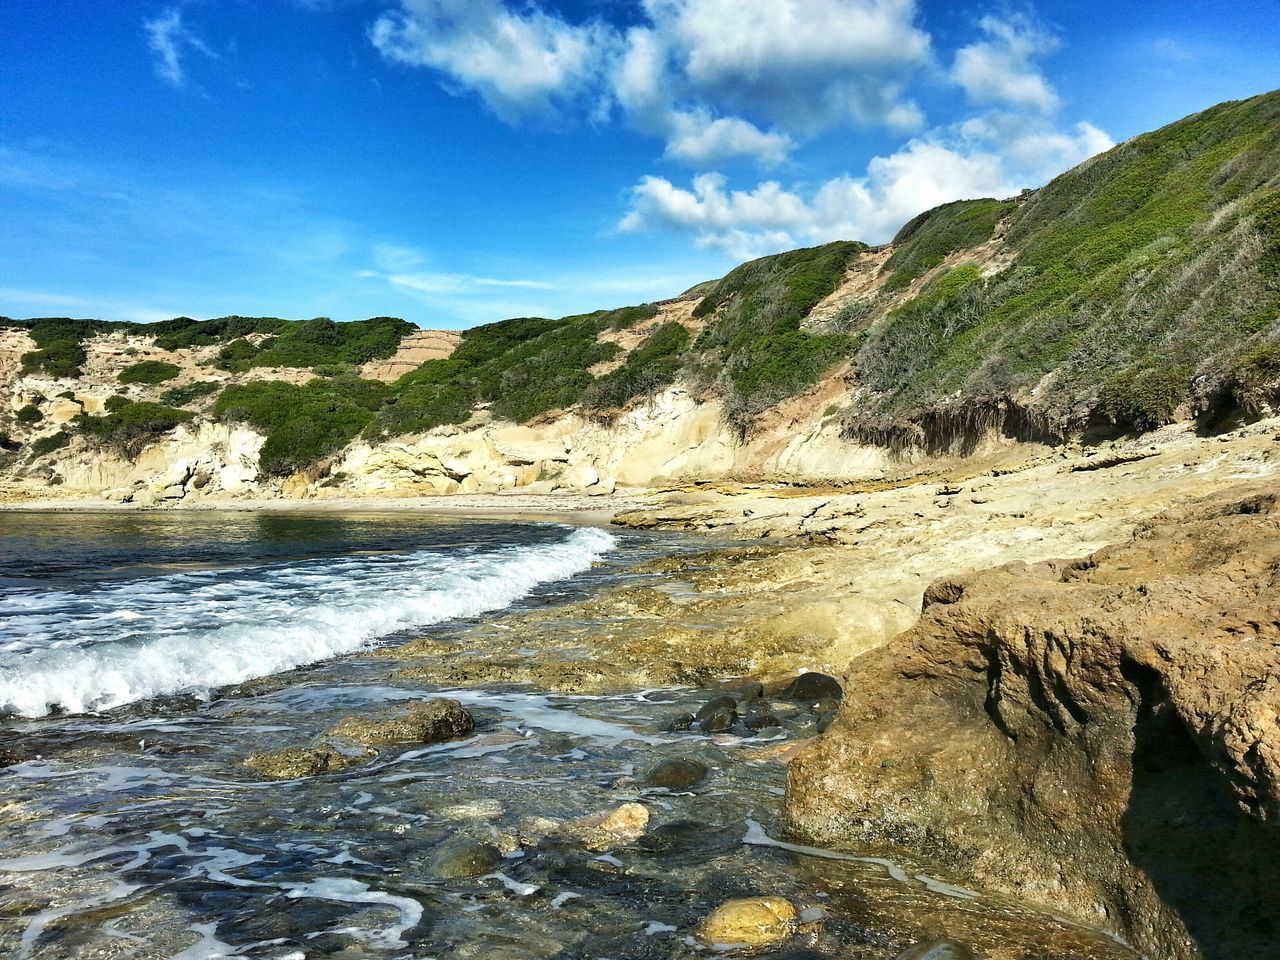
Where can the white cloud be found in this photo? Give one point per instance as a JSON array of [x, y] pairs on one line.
[[999, 69], [922, 174], [716, 79], [521, 64], [169, 40]]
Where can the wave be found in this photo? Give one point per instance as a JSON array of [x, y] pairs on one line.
[[194, 632]]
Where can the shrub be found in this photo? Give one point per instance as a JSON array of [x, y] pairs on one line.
[[1145, 397], [57, 358], [186, 395], [149, 372], [116, 401], [29, 414], [926, 240], [302, 424], [46, 445], [649, 367], [131, 426]]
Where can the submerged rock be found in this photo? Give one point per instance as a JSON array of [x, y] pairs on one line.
[[427, 721], [750, 922], [678, 723], [937, 950], [720, 720], [465, 858], [677, 774], [604, 831], [294, 762]]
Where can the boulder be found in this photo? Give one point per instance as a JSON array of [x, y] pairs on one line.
[[294, 762], [677, 774]]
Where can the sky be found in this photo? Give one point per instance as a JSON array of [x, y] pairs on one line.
[[456, 162]]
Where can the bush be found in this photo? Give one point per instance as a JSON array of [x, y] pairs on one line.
[[29, 414], [1146, 397], [116, 401], [926, 240], [649, 367], [186, 395], [57, 358], [46, 445], [149, 372], [131, 426], [302, 424]]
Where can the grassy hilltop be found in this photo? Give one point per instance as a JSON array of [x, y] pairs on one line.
[[1142, 284]]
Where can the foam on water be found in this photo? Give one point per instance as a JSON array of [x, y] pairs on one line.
[[193, 632]]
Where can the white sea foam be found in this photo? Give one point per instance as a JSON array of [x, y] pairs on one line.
[[196, 631]]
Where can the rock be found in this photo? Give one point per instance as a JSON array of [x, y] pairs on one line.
[[760, 719], [720, 720], [678, 723], [937, 950], [294, 762], [1102, 734], [428, 721], [604, 831], [750, 922], [822, 721], [714, 705], [809, 687], [677, 774], [465, 858], [9, 758], [826, 705]]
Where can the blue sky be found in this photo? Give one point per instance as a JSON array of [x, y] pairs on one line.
[[461, 161]]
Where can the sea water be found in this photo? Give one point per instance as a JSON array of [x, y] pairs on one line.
[[143, 657]]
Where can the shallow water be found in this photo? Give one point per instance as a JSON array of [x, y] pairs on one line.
[[138, 832]]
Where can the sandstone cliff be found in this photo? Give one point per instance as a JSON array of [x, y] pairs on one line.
[[1099, 735]]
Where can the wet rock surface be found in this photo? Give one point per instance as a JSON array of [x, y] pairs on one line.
[[750, 922], [428, 721], [1099, 734], [294, 762]]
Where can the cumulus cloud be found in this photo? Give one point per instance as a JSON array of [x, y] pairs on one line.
[[521, 64], [964, 164], [169, 40], [999, 69], [716, 79]]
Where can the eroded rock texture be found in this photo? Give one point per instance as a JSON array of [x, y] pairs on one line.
[[1099, 735]]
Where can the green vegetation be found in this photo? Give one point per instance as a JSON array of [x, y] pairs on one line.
[[29, 414], [753, 345], [149, 372], [61, 344], [183, 332], [648, 368], [926, 240], [45, 445], [302, 424], [186, 395], [131, 426], [1148, 269]]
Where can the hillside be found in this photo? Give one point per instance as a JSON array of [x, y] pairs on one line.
[[1139, 288]]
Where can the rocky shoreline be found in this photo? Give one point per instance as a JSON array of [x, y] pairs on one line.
[[1095, 736]]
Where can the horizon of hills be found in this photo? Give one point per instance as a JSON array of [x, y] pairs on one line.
[[1136, 288]]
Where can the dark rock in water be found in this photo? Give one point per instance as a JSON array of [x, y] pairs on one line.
[[716, 705], [747, 690], [8, 758], [465, 858], [427, 721], [688, 838], [823, 721], [720, 720], [810, 687], [677, 774], [825, 705], [681, 721], [937, 950], [760, 718]]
